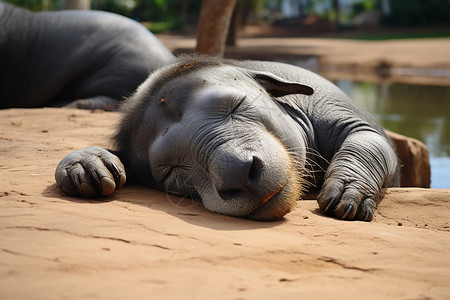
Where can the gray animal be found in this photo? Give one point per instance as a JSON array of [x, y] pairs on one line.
[[56, 58], [247, 137]]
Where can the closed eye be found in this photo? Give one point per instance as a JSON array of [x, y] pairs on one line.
[[176, 181], [236, 104], [168, 172], [172, 175]]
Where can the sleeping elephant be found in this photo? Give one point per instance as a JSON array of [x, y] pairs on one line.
[[245, 137], [85, 59]]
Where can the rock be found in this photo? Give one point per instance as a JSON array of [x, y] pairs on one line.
[[415, 170]]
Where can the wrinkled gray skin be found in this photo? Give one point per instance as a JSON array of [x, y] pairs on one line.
[[56, 58], [246, 137]]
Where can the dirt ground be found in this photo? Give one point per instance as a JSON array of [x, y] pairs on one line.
[[141, 243]]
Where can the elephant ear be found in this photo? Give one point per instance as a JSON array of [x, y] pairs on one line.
[[278, 87]]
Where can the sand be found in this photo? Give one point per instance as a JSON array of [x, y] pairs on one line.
[[144, 244]]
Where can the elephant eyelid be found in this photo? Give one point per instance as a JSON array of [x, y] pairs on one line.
[[236, 104], [168, 172]]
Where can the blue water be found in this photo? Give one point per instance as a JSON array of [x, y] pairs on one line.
[[419, 111]]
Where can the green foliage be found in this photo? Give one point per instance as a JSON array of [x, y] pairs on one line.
[[362, 6], [146, 10], [166, 11], [158, 27], [119, 7], [418, 12]]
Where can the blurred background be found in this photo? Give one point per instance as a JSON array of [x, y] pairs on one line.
[[304, 17], [390, 56]]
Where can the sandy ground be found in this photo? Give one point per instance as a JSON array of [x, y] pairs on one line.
[[144, 244]]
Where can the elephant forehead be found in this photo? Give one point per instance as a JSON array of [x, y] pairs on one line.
[[217, 75], [198, 91]]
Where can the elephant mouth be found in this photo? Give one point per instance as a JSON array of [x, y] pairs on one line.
[[274, 206], [271, 195]]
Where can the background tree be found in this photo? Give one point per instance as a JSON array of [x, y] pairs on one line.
[[244, 11], [213, 26], [235, 24], [418, 12]]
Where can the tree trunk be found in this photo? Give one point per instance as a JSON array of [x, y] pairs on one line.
[[75, 4], [235, 27], [213, 26]]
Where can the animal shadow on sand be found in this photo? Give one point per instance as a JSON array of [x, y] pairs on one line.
[[187, 209]]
